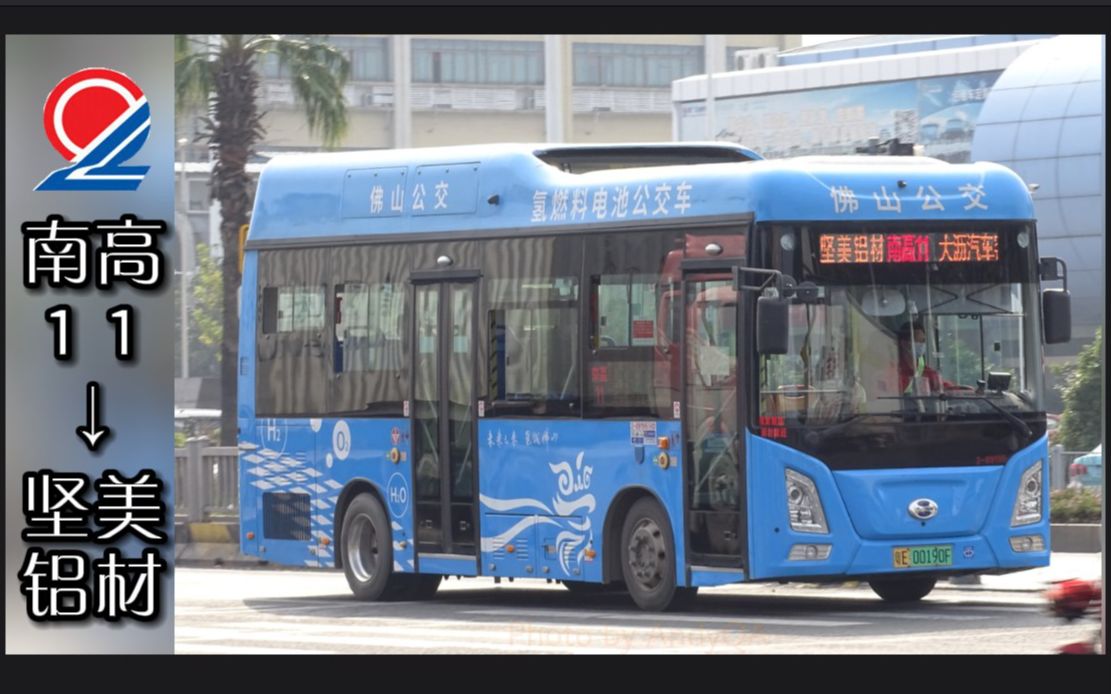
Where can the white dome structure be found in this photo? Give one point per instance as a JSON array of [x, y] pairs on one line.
[[1044, 118]]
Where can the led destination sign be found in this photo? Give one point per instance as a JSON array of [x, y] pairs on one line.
[[959, 247]]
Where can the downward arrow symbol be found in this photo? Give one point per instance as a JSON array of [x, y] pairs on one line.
[[92, 434]]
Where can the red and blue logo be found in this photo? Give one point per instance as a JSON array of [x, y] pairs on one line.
[[97, 119]]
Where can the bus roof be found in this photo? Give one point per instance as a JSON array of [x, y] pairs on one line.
[[518, 188]]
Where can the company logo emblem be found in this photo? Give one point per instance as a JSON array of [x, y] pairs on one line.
[[97, 119], [922, 509]]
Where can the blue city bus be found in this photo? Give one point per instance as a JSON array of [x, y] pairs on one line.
[[644, 367]]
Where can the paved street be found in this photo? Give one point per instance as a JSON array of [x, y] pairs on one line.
[[269, 610]]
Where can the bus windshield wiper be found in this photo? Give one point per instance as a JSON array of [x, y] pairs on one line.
[[1021, 426]]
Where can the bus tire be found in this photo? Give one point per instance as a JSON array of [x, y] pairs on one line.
[[421, 586], [902, 589], [367, 548], [648, 559]]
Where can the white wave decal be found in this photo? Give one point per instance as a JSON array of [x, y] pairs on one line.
[[491, 544], [571, 508], [512, 504], [566, 544], [570, 481], [575, 536]]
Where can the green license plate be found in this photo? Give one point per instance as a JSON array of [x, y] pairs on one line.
[[923, 555]]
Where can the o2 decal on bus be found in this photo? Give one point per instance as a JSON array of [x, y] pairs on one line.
[[341, 440]]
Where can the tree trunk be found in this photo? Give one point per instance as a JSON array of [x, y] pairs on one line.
[[235, 129]]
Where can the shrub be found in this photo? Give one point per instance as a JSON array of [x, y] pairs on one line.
[[1077, 505]]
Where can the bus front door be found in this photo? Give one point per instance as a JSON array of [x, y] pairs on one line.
[[443, 424], [711, 420]]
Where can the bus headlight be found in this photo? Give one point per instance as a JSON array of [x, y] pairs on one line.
[[1028, 501], [804, 507]]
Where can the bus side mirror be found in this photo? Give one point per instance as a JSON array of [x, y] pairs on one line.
[[771, 325], [1057, 315]]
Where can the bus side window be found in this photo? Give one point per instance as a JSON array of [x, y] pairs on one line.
[[292, 353], [632, 369], [531, 304], [269, 310]]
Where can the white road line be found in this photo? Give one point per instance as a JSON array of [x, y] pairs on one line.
[[738, 621], [890, 641], [531, 642], [215, 648], [279, 604], [433, 628], [933, 616]]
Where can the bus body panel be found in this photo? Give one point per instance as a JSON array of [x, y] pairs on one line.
[[878, 500], [978, 528], [343, 451], [505, 187], [712, 576], [250, 525], [546, 486]]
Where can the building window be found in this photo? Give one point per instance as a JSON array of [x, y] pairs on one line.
[[631, 65], [199, 198], [271, 67], [447, 61], [369, 56]]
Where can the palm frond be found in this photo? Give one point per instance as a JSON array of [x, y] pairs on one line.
[[318, 72], [192, 73]]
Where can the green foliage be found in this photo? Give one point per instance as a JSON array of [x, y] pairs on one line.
[[1080, 422], [205, 318], [1077, 505], [206, 303]]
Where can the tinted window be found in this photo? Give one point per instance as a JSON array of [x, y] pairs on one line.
[[634, 295], [370, 363], [531, 324], [291, 375]]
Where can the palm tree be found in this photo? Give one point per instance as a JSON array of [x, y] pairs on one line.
[[223, 76]]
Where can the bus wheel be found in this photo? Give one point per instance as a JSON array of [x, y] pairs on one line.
[[649, 559], [422, 586], [367, 548], [902, 589]]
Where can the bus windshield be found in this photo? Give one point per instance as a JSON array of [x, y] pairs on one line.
[[948, 333]]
